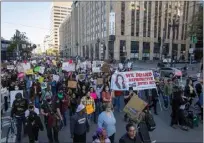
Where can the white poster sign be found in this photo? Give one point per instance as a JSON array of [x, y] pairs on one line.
[[34, 62], [96, 66], [139, 80], [56, 77], [112, 23], [13, 95], [10, 67], [68, 67], [42, 69], [26, 66]]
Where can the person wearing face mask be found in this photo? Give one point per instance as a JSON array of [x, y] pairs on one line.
[[63, 102], [107, 121], [89, 103], [52, 115], [19, 106], [106, 96], [131, 136], [33, 124]]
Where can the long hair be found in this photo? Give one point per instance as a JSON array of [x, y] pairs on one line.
[[123, 82]]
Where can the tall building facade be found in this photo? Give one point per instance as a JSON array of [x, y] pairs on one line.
[[143, 30], [59, 11]]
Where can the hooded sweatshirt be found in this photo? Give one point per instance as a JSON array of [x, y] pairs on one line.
[[79, 124]]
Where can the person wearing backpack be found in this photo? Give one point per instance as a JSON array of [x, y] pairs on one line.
[[33, 124]]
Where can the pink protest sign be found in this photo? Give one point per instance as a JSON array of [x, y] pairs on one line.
[[21, 75]]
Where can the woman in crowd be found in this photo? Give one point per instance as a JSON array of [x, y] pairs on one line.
[[94, 96], [106, 96], [107, 121], [101, 136]]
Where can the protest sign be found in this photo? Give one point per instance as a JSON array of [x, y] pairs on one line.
[[20, 75], [42, 69], [139, 80], [10, 67], [72, 84], [13, 95], [29, 72], [96, 66], [26, 66], [37, 69], [68, 67], [105, 68], [54, 62], [40, 79], [134, 107], [99, 81], [34, 62], [55, 77]]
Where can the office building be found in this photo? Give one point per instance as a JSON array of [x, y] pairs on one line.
[[59, 11], [143, 30]]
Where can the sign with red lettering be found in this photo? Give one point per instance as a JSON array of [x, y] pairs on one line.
[[139, 80]]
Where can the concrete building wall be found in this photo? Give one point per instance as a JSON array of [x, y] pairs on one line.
[[144, 23]]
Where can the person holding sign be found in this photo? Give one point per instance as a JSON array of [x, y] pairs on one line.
[[89, 103]]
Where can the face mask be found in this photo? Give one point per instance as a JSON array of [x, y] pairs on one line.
[[60, 95], [48, 100]]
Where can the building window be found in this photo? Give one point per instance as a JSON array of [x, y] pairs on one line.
[[155, 19], [156, 52], [134, 47], [132, 22], [149, 18], [146, 50], [145, 19], [122, 18], [122, 50], [137, 18]]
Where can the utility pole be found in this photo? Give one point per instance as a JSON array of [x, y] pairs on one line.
[[173, 26]]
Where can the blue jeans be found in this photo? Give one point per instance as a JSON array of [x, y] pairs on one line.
[[54, 91], [27, 96], [19, 122], [166, 101], [117, 102], [64, 118], [37, 102]]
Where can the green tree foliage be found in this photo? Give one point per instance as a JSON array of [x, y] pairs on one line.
[[196, 25]]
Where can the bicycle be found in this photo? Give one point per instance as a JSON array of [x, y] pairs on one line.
[[12, 132]]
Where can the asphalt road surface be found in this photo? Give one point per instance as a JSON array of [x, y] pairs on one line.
[[162, 133]]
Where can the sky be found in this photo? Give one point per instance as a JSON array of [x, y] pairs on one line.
[[29, 17]]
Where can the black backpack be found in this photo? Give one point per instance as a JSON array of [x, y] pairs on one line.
[[149, 120]]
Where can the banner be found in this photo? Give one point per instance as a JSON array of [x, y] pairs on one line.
[[68, 67], [96, 66], [139, 80], [10, 67], [13, 95]]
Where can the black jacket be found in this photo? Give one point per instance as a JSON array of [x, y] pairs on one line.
[[126, 139], [19, 107]]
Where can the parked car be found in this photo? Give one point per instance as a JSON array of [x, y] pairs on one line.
[[170, 72]]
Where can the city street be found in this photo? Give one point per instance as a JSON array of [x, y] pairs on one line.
[[162, 133]]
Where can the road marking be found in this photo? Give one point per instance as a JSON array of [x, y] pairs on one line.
[[6, 117]]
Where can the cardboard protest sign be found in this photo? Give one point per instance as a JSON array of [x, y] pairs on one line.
[[29, 72], [96, 66], [68, 67], [134, 107], [99, 81], [105, 68], [72, 84], [55, 77], [139, 80], [10, 67], [13, 95]]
